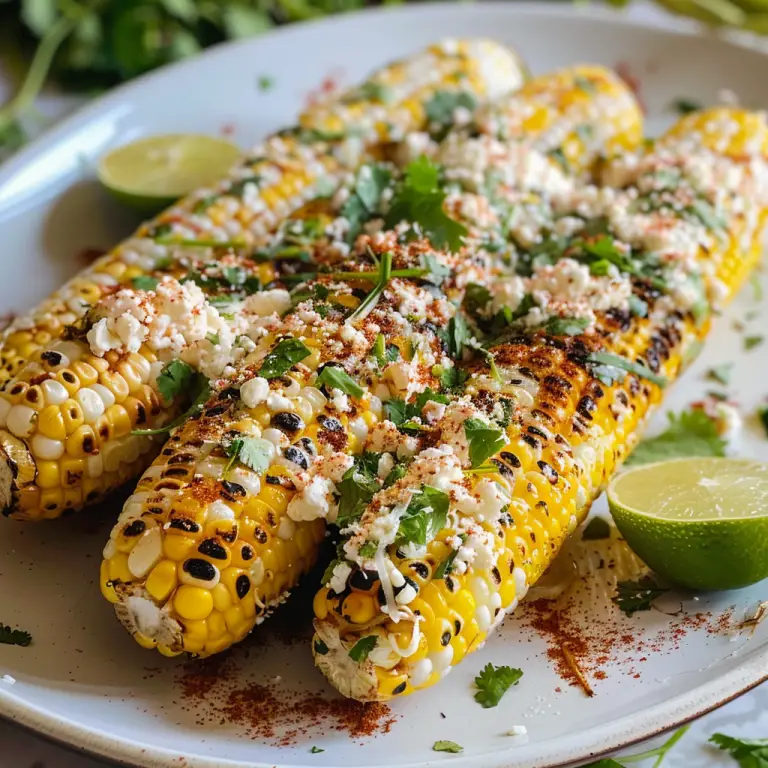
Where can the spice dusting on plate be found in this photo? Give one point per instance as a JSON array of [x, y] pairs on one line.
[[267, 711]]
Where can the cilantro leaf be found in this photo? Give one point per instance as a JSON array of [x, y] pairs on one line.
[[566, 326], [254, 452], [748, 753], [424, 517], [373, 91], [484, 441], [283, 357], [446, 566], [10, 636], [634, 596], [334, 377], [145, 282], [750, 342], [493, 682], [610, 368], [684, 105], [720, 373], [363, 202], [356, 490], [436, 272], [447, 746], [455, 336], [360, 650], [419, 199], [690, 433], [440, 110], [175, 378], [597, 528], [476, 298], [762, 414], [315, 751]]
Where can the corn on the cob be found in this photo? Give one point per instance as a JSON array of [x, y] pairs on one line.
[[397, 349], [46, 480], [469, 71], [435, 561], [276, 177]]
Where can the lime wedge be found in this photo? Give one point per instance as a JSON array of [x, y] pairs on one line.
[[701, 523], [151, 173]]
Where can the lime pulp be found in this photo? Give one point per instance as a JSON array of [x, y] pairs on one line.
[[701, 523]]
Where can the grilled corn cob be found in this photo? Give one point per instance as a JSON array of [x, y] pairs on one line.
[[430, 567], [396, 349], [277, 176], [61, 465], [469, 71]]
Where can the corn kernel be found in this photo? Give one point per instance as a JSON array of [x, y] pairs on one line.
[[162, 580], [193, 602]]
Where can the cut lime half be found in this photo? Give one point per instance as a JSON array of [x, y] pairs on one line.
[[151, 173], [701, 523]]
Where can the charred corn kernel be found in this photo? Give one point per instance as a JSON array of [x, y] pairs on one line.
[[561, 447]]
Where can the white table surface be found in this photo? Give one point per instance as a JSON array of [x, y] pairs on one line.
[[746, 717]]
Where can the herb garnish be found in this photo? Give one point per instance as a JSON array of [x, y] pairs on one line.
[[484, 441], [283, 357], [721, 373], [419, 199], [424, 517], [360, 650], [748, 753], [145, 282], [441, 107], [494, 682], [634, 596], [447, 746], [334, 377], [610, 368], [10, 636], [690, 433], [254, 452], [750, 342]]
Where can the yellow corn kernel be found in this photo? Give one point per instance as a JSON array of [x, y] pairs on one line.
[[178, 548], [72, 470], [119, 419], [144, 641], [320, 603], [82, 442], [390, 682], [118, 568], [48, 475], [359, 608], [86, 373], [235, 619], [216, 625], [69, 380], [162, 580], [193, 602], [221, 598], [274, 497], [72, 415], [115, 383]]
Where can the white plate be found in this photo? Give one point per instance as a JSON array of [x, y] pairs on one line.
[[85, 682]]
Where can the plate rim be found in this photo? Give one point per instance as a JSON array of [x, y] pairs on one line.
[[670, 714]]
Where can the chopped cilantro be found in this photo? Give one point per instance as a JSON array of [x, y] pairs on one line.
[[684, 106], [436, 272], [584, 84], [175, 378], [441, 108], [610, 368], [424, 517], [637, 306], [704, 211], [484, 441], [283, 357], [455, 336], [446, 566], [476, 298], [315, 750], [265, 83], [757, 287], [254, 452], [493, 682], [200, 390], [762, 414], [597, 528], [373, 91], [334, 377], [360, 650], [355, 491], [447, 746], [363, 202], [690, 433], [721, 373], [634, 596], [145, 282], [750, 342], [10, 636], [566, 326], [748, 753], [368, 549], [419, 199]]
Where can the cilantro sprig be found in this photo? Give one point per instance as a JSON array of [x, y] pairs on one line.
[[283, 357], [690, 433], [10, 636], [419, 199], [484, 441], [493, 682], [634, 596], [254, 452], [748, 753]]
